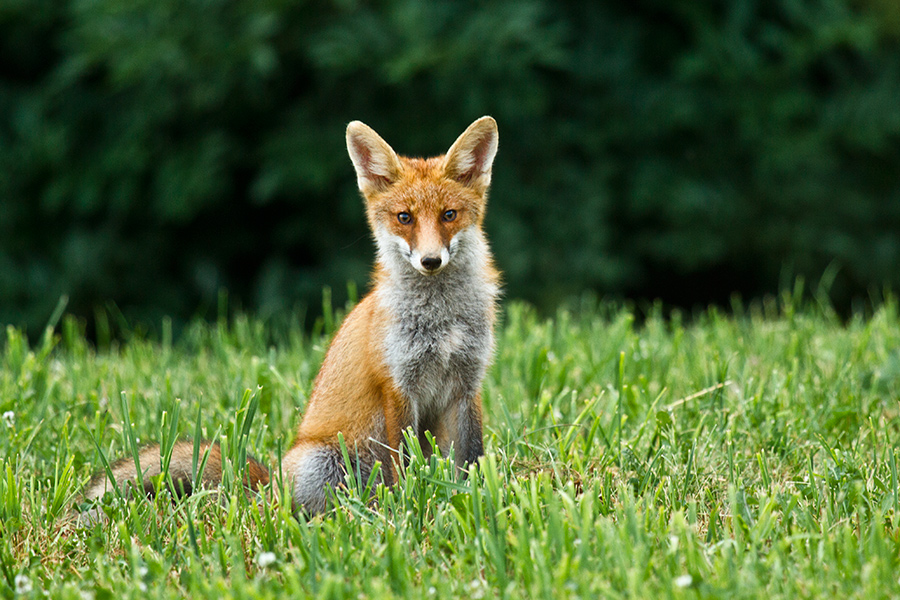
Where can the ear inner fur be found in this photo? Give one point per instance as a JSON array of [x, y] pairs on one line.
[[377, 165], [471, 156]]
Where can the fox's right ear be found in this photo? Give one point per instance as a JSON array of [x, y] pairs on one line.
[[470, 157], [377, 165]]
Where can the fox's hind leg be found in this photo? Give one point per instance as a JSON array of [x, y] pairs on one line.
[[314, 470]]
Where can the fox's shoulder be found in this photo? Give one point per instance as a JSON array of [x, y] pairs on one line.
[[361, 329]]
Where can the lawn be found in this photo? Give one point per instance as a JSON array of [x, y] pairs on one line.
[[747, 454]]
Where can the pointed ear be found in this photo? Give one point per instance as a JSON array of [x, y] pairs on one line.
[[377, 165], [470, 157]]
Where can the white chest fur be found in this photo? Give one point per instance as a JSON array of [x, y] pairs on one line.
[[439, 340]]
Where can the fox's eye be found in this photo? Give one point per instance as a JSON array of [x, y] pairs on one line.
[[449, 215], [404, 218]]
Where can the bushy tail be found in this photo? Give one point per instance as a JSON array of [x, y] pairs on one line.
[[180, 469]]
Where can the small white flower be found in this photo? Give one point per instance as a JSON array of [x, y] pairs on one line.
[[432, 591], [264, 559], [684, 581], [476, 589], [142, 571], [23, 584], [673, 543], [87, 594], [9, 417]]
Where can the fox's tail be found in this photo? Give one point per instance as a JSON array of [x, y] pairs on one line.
[[181, 469]]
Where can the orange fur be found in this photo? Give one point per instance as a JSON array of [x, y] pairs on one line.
[[413, 352]]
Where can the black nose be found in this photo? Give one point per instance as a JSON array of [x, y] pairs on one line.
[[431, 263]]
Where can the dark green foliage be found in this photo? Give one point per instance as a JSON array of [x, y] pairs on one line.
[[154, 152]]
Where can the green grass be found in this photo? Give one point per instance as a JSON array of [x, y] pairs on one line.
[[752, 455]]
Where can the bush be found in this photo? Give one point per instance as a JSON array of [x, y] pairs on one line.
[[153, 153]]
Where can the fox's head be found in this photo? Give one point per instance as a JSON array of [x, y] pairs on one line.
[[424, 212]]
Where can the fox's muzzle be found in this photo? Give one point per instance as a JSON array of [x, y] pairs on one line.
[[431, 263]]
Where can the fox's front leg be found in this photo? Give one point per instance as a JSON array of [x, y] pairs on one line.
[[398, 417], [460, 427], [469, 440]]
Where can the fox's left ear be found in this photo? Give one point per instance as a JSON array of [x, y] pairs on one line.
[[470, 157], [377, 165]]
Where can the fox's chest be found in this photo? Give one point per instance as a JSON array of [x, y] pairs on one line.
[[439, 351]]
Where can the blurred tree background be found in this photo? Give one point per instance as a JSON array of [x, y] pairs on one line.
[[153, 152]]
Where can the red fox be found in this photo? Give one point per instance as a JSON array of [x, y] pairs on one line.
[[414, 351]]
